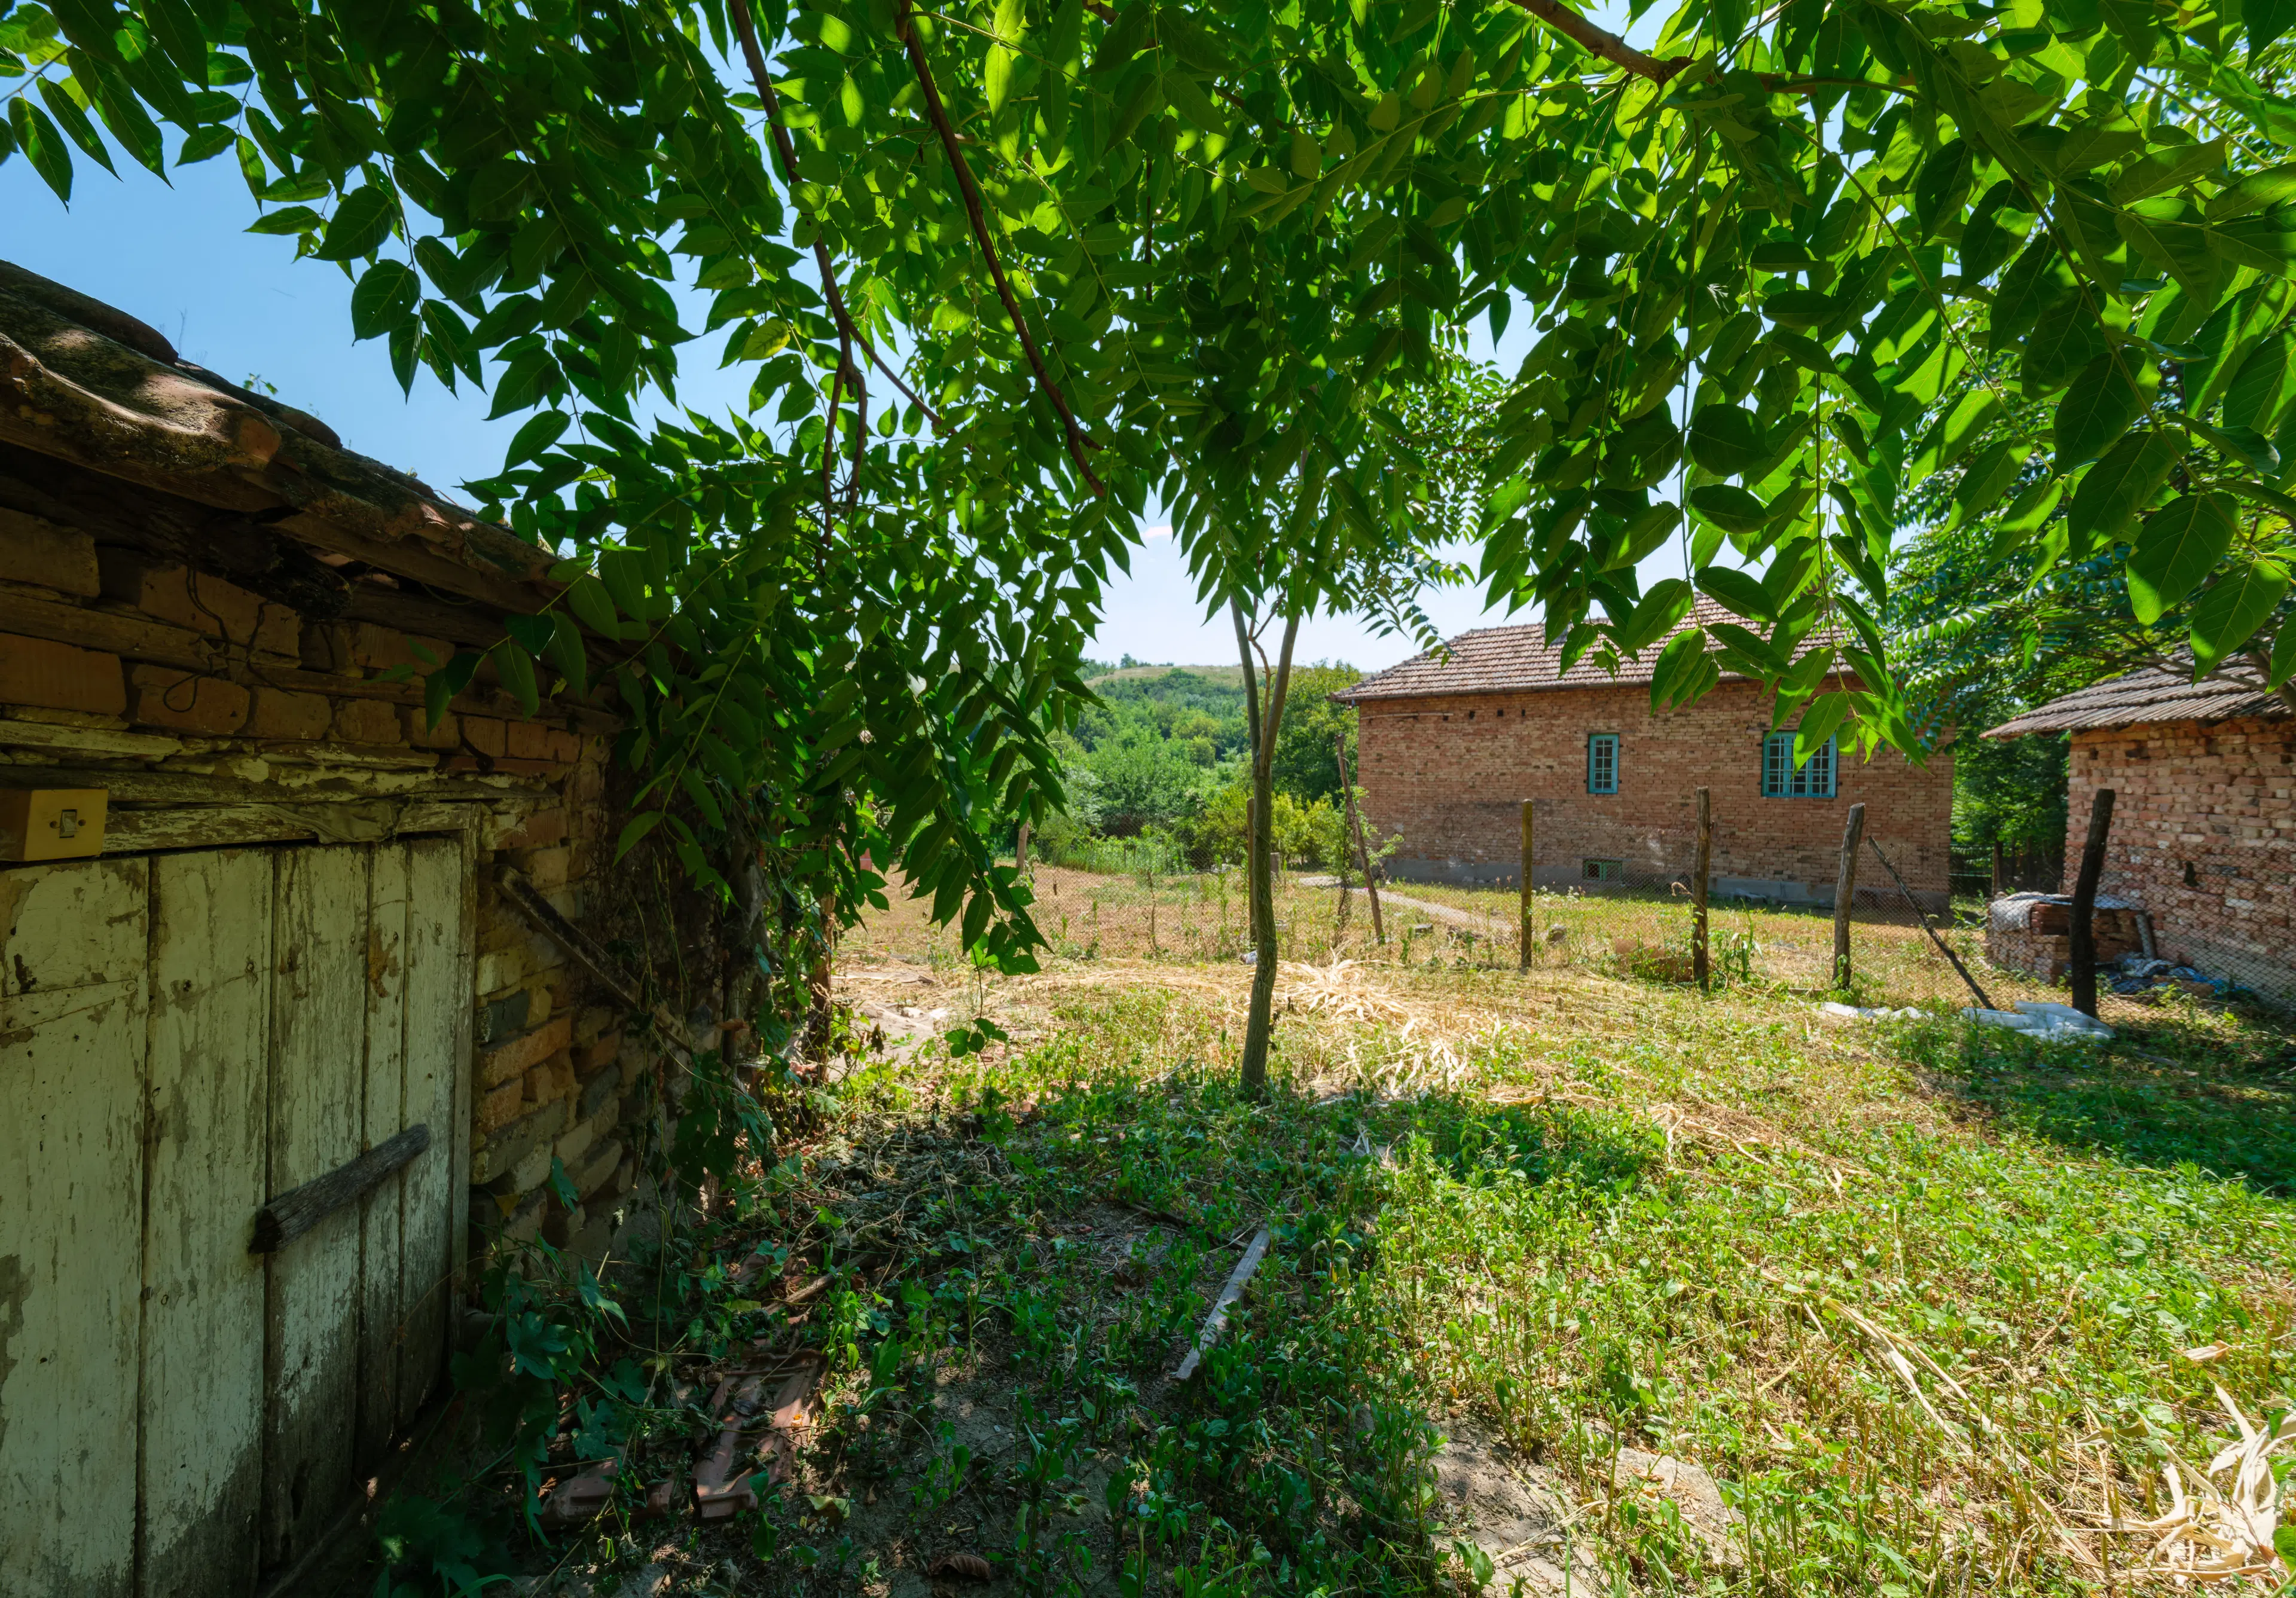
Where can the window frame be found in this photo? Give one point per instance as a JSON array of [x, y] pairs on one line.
[[1616, 751], [1795, 781]]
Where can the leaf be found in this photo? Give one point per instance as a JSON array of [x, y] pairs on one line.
[[1682, 672], [42, 145], [440, 687], [566, 653], [1724, 440], [386, 292], [1011, 22], [634, 829], [2260, 391], [360, 224], [2234, 606], [2164, 169], [2102, 403], [516, 668], [2258, 191], [1825, 714], [1988, 479], [1737, 590], [1643, 533], [2282, 665], [205, 144], [2118, 488], [2179, 545], [1956, 432], [535, 434], [1732, 510], [1667, 603], [2064, 340], [294, 219], [594, 606]]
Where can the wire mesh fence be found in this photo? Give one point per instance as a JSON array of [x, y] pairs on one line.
[[1630, 927]]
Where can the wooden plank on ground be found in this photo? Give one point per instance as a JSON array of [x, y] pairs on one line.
[[202, 1389], [1215, 1323], [72, 1002], [438, 1030], [318, 1030], [385, 1118]]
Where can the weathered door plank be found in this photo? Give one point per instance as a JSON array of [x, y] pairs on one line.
[[385, 1113], [437, 1022], [72, 999], [202, 1387], [318, 1033]]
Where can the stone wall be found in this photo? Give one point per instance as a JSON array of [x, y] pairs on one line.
[[1450, 775], [2203, 836], [215, 718]]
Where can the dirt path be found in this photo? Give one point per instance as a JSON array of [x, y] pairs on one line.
[[1448, 914]]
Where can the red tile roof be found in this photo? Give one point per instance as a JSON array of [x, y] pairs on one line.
[[1512, 659]]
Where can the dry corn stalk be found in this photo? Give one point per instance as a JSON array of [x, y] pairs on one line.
[[1339, 991], [2220, 1532]]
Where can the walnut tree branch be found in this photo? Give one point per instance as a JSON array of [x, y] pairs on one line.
[[1077, 443], [1601, 42], [848, 333]]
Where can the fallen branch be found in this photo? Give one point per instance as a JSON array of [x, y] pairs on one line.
[[905, 27], [1215, 1323]]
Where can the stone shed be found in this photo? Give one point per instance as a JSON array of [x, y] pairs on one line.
[[1452, 743], [279, 1058], [2204, 838]]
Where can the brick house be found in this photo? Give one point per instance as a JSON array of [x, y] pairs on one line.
[[1452, 743], [256, 924], [2204, 835]]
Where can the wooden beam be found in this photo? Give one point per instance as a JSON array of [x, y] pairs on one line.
[[1845, 891], [2080, 952], [1702, 872], [1529, 837], [295, 1211]]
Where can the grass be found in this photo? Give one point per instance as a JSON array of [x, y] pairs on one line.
[[1914, 1296]]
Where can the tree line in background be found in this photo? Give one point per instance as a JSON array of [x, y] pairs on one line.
[[1162, 755]]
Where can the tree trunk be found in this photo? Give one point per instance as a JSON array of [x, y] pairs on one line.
[[1262, 721]]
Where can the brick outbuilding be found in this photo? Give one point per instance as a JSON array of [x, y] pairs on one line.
[[275, 940], [1452, 743], [2204, 813]]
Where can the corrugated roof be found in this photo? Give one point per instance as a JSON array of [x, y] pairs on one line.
[[2156, 693], [1512, 659]]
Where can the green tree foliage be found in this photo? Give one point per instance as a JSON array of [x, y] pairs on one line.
[[999, 272], [1306, 765]]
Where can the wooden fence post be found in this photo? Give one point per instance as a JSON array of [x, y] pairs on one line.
[[1699, 961], [1363, 851], [2082, 951], [1021, 851], [1845, 889], [1524, 964]]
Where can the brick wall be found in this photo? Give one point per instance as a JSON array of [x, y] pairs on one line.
[[2203, 836], [203, 708], [1450, 775]]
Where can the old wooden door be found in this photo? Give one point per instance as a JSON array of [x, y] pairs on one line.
[[182, 1036]]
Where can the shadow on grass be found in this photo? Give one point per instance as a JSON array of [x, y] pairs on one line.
[[2165, 1094]]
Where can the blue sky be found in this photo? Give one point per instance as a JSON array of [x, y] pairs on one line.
[[177, 255]]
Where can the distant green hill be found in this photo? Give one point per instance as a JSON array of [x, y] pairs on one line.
[[1226, 676]]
